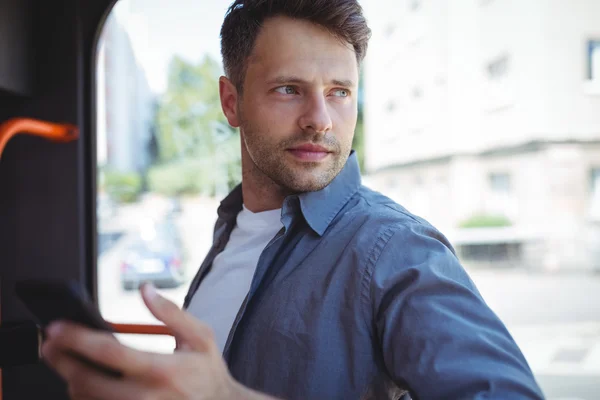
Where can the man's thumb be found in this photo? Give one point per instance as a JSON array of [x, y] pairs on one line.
[[186, 327]]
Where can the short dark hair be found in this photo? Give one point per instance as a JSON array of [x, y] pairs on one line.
[[244, 19]]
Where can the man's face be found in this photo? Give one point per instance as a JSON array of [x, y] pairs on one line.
[[298, 110]]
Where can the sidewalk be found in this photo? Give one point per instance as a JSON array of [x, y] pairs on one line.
[[560, 349]]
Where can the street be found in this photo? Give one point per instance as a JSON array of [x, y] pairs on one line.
[[119, 305], [554, 317]]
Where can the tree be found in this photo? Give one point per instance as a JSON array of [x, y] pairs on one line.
[[193, 134], [358, 142]]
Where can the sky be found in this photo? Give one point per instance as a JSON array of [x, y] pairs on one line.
[[159, 30]]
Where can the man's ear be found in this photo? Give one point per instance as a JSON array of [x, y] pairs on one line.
[[229, 99]]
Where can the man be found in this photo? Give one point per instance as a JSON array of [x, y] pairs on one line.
[[315, 287]]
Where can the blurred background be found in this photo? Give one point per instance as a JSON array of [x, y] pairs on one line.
[[482, 116]]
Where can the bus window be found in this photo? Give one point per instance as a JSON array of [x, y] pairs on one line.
[[480, 116], [160, 178], [483, 117]]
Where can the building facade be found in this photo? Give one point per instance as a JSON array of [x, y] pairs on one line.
[[125, 102], [483, 116]]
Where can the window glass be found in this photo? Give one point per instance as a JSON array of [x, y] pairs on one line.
[[468, 117], [498, 68], [513, 140], [595, 194], [593, 60], [165, 152]]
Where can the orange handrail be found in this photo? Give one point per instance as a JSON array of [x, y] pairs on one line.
[[64, 133], [56, 132], [142, 329]]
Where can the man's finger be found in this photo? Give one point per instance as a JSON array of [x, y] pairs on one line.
[[85, 381], [187, 328], [96, 387], [98, 347]]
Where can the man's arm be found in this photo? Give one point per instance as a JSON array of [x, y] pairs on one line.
[[439, 338]]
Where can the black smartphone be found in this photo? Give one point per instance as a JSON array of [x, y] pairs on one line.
[[52, 300]]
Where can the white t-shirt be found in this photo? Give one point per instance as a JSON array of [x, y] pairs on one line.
[[221, 293]]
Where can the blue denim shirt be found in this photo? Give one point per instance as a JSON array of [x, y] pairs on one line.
[[356, 298]]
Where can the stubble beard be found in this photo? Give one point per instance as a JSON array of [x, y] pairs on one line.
[[270, 160]]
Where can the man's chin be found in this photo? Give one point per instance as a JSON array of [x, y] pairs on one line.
[[302, 183]]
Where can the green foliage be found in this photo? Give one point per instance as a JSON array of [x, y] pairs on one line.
[[358, 142], [100, 178], [123, 187], [177, 178], [486, 221], [198, 151], [210, 176], [190, 122]]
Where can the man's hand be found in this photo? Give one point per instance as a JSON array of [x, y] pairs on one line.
[[195, 371]]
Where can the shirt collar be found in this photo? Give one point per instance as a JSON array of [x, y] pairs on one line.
[[318, 208], [231, 205]]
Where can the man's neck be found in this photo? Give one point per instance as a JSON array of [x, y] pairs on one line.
[[260, 192]]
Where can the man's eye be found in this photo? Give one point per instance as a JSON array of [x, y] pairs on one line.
[[341, 92], [286, 90]]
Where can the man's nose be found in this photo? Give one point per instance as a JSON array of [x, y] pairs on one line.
[[316, 116]]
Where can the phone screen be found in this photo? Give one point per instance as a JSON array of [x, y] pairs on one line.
[[51, 301]]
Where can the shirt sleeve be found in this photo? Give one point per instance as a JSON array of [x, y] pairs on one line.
[[439, 338]]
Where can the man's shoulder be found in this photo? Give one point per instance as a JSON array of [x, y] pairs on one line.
[[381, 218], [378, 208]]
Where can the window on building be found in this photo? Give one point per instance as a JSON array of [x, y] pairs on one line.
[[389, 30], [498, 68], [391, 106], [499, 93], [417, 114], [500, 183], [593, 61], [414, 5], [501, 199], [416, 92], [496, 255], [595, 194]]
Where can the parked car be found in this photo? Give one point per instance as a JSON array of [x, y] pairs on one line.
[[156, 258]]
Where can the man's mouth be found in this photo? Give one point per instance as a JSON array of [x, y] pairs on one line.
[[309, 152]]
